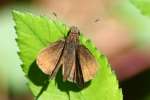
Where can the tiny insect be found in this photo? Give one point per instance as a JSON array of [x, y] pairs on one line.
[[76, 61]]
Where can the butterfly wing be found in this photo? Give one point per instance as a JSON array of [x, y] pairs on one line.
[[87, 62], [84, 67], [72, 74], [68, 60], [78, 75], [71, 67], [48, 58]]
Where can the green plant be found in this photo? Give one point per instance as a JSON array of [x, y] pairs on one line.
[[35, 33]]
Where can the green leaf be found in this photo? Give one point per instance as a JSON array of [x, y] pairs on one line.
[[143, 6], [35, 33]]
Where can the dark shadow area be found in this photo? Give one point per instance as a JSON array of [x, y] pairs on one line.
[[137, 88], [38, 78], [36, 75], [45, 86], [68, 86]]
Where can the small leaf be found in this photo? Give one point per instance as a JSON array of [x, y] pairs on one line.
[[37, 32], [143, 6]]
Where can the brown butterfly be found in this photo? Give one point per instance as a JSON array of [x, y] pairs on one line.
[[77, 63]]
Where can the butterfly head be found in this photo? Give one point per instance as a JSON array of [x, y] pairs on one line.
[[74, 30], [74, 33]]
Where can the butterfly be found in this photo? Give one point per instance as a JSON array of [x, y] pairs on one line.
[[76, 61]]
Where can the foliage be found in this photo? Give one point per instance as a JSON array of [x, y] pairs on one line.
[[37, 32]]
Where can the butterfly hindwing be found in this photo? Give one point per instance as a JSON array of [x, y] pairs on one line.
[[78, 72]]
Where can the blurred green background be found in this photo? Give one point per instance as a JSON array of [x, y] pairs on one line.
[[121, 32]]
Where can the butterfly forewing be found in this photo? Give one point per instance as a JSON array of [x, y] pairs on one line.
[[87, 62], [48, 58]]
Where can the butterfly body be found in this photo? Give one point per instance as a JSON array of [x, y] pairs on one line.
[[78, 64]]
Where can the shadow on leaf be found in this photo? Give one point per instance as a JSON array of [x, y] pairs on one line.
[[40, 79], [68, 86]]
